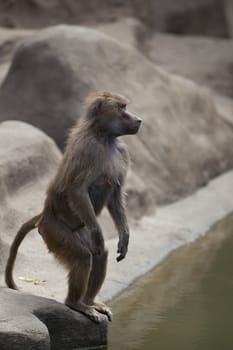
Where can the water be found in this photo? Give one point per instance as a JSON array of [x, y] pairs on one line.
[[186, 303]]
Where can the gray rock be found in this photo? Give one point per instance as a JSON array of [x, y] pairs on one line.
[[3, 71], [52, 73], [189, 17], [179, 16], [9, 41], [127, 31], [28, 160], [32, 323], [26, 154], [207, 61], [225, 107], [229, 16]]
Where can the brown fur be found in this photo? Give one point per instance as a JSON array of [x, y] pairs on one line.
[[90, 176]]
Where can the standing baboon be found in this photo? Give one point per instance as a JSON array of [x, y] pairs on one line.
[[90, 177]]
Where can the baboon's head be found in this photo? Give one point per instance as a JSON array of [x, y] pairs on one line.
[[109, 116]]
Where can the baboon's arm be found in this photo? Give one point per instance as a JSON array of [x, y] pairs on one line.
[[116, 209], [82, 207]]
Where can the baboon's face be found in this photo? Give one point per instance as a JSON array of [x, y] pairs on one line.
[[116, 120]]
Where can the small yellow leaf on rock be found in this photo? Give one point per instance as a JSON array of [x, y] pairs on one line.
[[32, 280]]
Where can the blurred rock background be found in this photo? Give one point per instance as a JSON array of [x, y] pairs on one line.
[[201, 17], [173, 59], [54, 69]]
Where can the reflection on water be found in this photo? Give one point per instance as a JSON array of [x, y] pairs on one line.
[[186, 303]]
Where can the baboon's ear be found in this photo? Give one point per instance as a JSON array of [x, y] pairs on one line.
[[98, 105], [94, 108]]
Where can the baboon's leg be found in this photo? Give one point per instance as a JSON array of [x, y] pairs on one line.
[[78, 277], [68, 249], [98, 268], [96, 279], [97, 276]]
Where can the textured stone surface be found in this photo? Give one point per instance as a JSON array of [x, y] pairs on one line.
[[29, 322], [207, 61], [177, 16], [184, 141], [10, 39], [127, 31], [190, 17]]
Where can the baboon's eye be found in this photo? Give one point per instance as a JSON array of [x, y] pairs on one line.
[[125, 115]]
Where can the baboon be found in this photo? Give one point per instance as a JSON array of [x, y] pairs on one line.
[[90, 176]]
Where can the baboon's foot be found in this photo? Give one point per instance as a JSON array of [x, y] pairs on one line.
[[87, 310], [103, 309]]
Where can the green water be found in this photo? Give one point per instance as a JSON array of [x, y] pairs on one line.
[[184, 304]]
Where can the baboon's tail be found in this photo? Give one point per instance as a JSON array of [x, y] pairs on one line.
[[24, 230]]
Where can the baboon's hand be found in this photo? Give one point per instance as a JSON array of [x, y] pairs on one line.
[[98, 241], [122, 247]]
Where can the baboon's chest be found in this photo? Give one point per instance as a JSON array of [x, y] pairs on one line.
[[100, 190], [110, 173]]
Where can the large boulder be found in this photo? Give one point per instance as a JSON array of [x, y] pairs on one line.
[[207, 61], [179, 16], [27, 157], [9, 41], [30, 322], [190, 17], [128, 31], [183, 142], [28, 160]]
